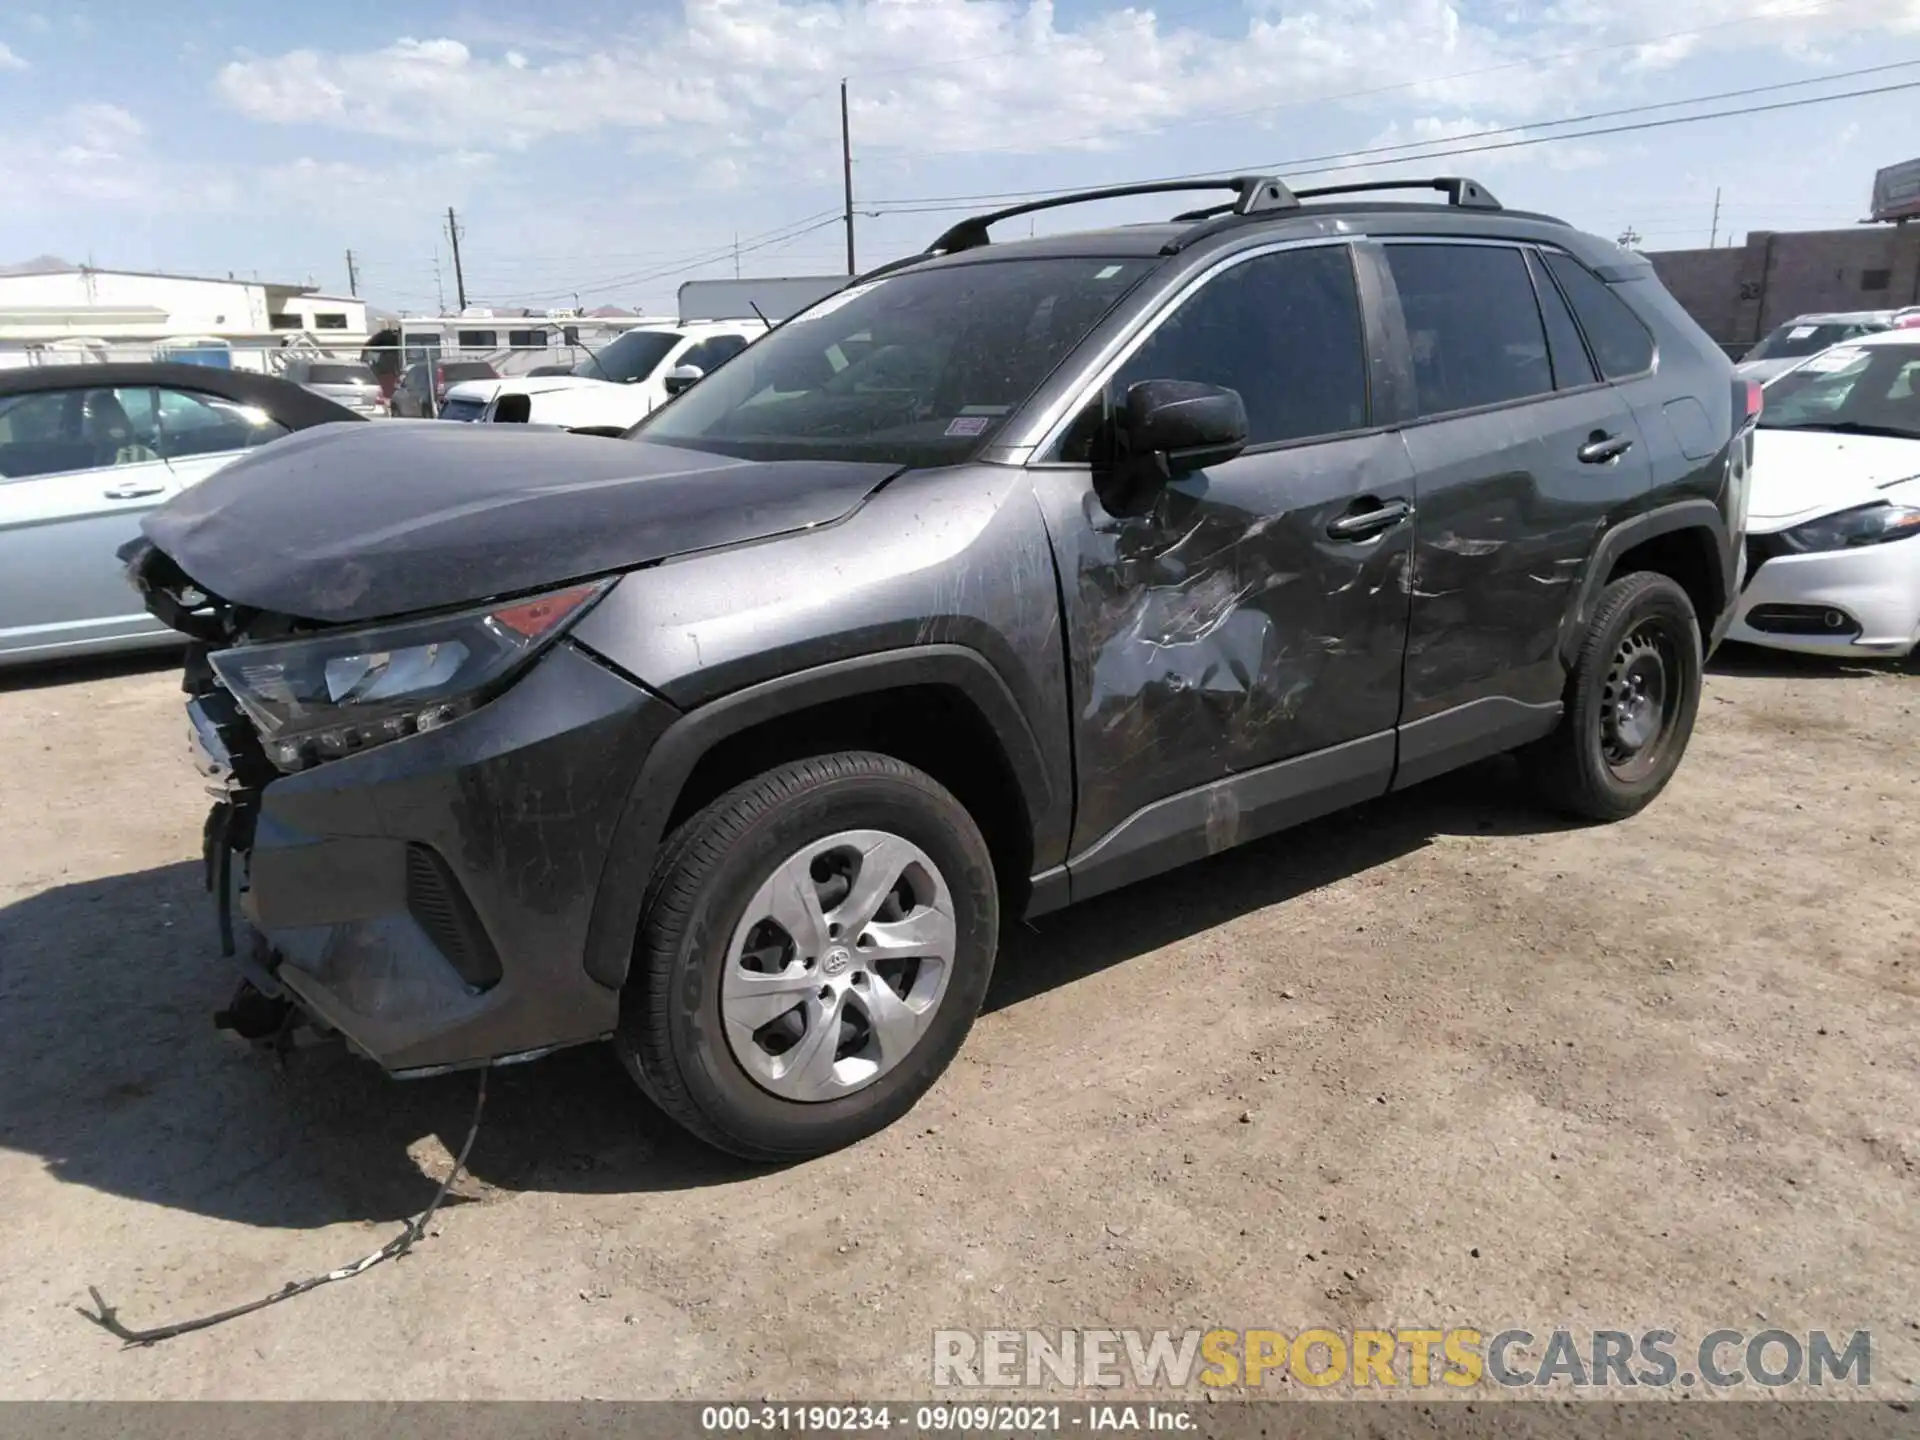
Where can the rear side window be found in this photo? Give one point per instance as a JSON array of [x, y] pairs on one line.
[[1473, 325], [1620, 342], [1572, 367], [1282, 329]]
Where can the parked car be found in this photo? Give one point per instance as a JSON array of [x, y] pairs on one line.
[[1833, 529], [1011, 574], [422, 391], [85, 452], [1786, 345], [621, 384], [344, 383]]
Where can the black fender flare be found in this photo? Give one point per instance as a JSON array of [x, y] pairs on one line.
[[663, 775], [1694, 514]]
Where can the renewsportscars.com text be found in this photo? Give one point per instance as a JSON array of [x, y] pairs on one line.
[[1457, 1357]]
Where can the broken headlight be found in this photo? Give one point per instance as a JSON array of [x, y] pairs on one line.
[[338, 691]]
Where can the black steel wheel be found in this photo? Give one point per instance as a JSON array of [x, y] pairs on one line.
[[1630, 702]]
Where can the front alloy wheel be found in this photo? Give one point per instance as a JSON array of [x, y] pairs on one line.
[[813, 948], [838, 965]]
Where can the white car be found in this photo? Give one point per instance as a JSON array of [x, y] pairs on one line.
[[1787, 345], [615, 387], [1833, 516]]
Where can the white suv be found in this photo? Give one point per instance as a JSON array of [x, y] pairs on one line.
[[618, 385]]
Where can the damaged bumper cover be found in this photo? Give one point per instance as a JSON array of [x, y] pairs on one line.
[[430, 898]]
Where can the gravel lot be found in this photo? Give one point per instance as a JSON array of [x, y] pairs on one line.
[[1441, 1061]]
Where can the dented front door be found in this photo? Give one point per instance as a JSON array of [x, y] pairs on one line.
[[1228, 628], [1257, 613]]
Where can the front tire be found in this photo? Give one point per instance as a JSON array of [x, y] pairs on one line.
[[1630, 702], [813, 949]]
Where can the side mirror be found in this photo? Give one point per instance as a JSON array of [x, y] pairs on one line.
[[682, 377], [1192, 425], [1165, 429]]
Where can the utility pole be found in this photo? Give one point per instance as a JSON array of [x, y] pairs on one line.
[[846, 172], [459, 276], [1628, 238], [736, 254], [353, 277], [1714, 238]]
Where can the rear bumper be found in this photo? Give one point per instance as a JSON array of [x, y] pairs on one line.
[[1874, 591], [430, 898]]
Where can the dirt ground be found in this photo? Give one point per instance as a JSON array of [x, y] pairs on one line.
[[1440, 1061]]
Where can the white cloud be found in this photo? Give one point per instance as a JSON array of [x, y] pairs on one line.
[[755, 82], [9, 59]]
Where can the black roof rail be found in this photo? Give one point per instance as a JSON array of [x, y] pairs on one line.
[[1253, 195]]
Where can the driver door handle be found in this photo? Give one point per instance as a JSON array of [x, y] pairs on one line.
[[132, 490], [1602, 447], [1369, 517]]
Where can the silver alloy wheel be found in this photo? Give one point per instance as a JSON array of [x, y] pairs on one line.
[[837, 965]]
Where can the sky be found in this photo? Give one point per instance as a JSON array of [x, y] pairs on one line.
[[601, 153]]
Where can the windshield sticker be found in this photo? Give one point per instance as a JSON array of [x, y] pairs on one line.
[[1828, 361], [984, 409], [1107, 273], [833, 302], [1800, 332], [969, 425]]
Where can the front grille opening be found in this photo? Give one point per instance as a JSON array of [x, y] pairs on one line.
[[1803, 620], [440, 907]]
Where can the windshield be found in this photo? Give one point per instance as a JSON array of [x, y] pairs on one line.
[[631, 358], [1793, 340], [1857, 389], [916, 368]]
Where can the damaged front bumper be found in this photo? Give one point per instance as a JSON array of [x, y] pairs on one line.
[[430, 898]]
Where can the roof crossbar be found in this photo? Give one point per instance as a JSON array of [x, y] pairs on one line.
[[1461, 192], [1253, 195]]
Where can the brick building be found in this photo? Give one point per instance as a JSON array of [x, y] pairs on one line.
[[1739, 293]]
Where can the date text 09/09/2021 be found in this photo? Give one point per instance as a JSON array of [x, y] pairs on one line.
[[936, 1418]]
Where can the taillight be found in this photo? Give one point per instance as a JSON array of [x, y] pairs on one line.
[[1754, 401]]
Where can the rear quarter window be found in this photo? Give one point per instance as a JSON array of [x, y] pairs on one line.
[[1621, 343]]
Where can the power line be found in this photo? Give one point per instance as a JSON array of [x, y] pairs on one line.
[[695, 262], [1214, 117], [1356, 159]]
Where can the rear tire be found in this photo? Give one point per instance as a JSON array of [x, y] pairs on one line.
[[826, 1013], [1630, 703]]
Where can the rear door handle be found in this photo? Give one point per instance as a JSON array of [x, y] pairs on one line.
[[1602, 448], [131, 490], [1359, 523]]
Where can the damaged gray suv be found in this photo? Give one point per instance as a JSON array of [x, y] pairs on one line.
[[1007, 575]]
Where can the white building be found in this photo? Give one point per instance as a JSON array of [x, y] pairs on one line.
[[50, 310]]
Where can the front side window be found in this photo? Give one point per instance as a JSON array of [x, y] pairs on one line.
[[1849, 390], [630, 359], [922, 367], [1621, 343], [1473, 325], [1284, 330]]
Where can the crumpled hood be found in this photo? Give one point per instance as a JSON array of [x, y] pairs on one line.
[[1800, 475], [358, 522]]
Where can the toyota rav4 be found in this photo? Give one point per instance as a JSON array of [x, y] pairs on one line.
[[1008, 574]]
